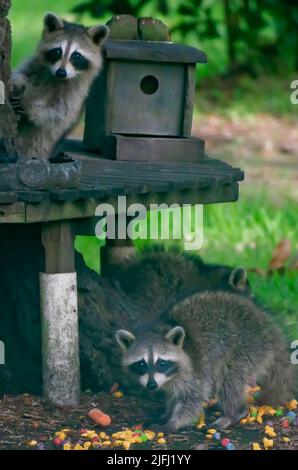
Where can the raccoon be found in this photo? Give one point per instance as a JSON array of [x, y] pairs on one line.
[[159, 278], [215, 343], [54, 84]]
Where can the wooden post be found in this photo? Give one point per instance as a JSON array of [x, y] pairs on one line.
[[59, 316]]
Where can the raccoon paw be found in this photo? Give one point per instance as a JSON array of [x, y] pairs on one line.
[[165, 428], [226, 421]]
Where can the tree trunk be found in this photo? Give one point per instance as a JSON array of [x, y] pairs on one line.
[[8, 123]]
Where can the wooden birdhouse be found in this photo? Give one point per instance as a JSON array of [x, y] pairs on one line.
[[141, 106]]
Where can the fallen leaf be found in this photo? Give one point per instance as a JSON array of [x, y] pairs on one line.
[[280, 255]]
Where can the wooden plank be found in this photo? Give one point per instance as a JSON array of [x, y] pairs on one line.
[[12, 213], [153, 51], [33, 197], [159, 149], [65, 194], [86, 208], [7, 197]]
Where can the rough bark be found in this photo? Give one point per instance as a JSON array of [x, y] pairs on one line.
[[7, 116]]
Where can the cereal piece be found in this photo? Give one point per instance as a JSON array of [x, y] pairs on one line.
[[270, 431], [126, 445], [67, 446], [161, 440], [106, 443], [286, 439], [268, 443], [211, 431], [256, 446], [32, 443], [225, 442]]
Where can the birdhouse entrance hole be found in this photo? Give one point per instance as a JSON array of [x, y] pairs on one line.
[[149, 84]]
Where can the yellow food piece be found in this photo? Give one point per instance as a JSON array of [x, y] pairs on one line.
[[292, 405], [91, 434], [251, 419], [161, 440], [66, 447], [102, 435], [117, 443], [87, 444], [243, 421], [270, 431], [126, 445], [149, 434], [268, 443], [209, 436], [160, 434], [106, 443], [256, 446], [61, 434], [78, 447], [118, 394], [286, 439], [32, 443], [66, 430], [211, 431]]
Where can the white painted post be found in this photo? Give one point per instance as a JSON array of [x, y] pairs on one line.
[[60, 341]]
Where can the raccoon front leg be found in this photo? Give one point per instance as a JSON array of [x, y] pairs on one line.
[[185, 411], [232, 401]]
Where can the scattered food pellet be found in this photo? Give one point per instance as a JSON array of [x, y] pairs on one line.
[[118, 394], [268, 443], [161, 440], [256, 446], [99, 417], [286, 439], [32, 443]]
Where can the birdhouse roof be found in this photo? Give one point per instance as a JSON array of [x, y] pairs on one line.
[[153, 51]]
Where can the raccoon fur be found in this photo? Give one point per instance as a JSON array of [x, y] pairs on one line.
[[160, 277], [54, 84], [214, 344]]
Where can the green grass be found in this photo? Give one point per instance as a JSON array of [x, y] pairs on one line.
[[244, 233]]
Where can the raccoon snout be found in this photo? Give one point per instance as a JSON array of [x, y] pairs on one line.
[[152, 385], [61, 73]]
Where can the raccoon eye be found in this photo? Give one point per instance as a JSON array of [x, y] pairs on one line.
[[163, 365], [53, 55], [79, 61], [76, 55], [139, 367]]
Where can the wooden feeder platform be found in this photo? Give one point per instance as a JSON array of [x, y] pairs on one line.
[[43, 225], [205, 182]]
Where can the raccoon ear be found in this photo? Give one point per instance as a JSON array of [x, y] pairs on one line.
[[125, 339], [98, 33], [52, 23], [238, 278], [176, 336]]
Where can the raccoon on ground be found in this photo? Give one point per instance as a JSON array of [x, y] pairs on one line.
[[159, 277], [210, 344], [51, 87]]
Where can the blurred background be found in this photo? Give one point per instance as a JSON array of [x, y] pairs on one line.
[[243, 111]]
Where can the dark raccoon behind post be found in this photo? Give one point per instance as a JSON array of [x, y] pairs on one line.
[[215, 343], [159, 278]]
